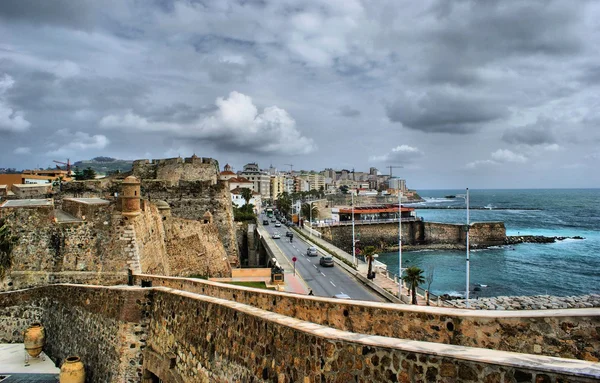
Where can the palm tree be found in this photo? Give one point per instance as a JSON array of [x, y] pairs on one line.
[[369, 252], [306, 210], [414, 277], [284, 203], [246, 195]]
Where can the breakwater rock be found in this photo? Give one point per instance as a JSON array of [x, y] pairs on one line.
[[516, 239], [536, 302]]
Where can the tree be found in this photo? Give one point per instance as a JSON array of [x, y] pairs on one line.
[[344, 189], [86, 174], [246, 195], [369, 252], [306, 207], [429, 280], [284, 203], [7, 243], [413, 277]]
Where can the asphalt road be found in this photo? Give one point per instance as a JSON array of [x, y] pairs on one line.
[[324, 281]]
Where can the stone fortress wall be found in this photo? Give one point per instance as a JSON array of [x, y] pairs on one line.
[[573, 333], [139, 334], [95, 243], [416, 234], [177, 169]]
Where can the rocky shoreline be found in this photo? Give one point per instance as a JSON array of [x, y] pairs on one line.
[[536, 302], [516, 239]]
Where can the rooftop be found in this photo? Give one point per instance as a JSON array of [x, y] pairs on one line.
[[28, 203], [89, 201], [32, 185]]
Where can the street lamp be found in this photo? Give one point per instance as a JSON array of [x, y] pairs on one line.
[[353, 236], [399, 243], [466, 197]]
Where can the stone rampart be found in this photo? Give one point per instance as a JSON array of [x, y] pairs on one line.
[[124, 333], [417, 234], [570, 333], [105, 327], [177, 169]]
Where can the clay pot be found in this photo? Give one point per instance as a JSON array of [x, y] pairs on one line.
[[72, 371], [34, 338]]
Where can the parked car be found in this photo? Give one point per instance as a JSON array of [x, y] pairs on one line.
[[312, 251], [266, 222], [273, 220], [276, 236], [289, 234], [326, 261], [277, 224]]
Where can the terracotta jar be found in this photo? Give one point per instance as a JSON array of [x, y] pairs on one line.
[[72, 371], [34, 338]]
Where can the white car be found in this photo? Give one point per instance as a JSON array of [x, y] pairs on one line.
[[277, 224], [276, 236]]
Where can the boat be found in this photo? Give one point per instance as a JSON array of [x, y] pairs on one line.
[[450, 196]]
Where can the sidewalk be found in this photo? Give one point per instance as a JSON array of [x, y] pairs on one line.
[[381, 279]]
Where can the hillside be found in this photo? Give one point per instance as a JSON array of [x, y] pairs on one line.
[[104, 165]]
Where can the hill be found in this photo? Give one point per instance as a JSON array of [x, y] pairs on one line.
[[104, 165]]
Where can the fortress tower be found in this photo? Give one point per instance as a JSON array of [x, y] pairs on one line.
[[130, 197]]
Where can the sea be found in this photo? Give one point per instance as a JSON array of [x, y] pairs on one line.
[[564, 268]]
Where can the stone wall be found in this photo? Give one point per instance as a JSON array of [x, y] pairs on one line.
[[105, 327], [191, 200], [93, 211], [573, 333], [122, 334], [177, 169], [417, 234], [203, 339]]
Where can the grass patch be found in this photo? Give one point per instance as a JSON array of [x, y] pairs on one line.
[[256, 285]]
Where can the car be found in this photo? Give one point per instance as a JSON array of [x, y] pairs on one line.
[[276, 236], [266, 222], [312, 251], [326, 261], [342, 296], [273, 220], [289, 234], [277, 224]]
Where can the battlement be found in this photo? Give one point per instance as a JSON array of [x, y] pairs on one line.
[[192, 168]]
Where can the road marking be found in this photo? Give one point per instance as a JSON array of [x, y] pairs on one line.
[[322, 273], [314, 265], [332, 283]]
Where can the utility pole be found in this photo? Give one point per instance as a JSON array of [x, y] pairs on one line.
[[291, 167]]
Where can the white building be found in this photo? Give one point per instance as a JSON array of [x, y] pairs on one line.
[[239, 201]]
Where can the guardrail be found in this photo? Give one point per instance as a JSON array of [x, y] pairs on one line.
[[365, 222]]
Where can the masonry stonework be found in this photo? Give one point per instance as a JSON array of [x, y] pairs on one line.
[[417, 234]]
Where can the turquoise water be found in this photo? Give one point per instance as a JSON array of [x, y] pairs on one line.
[[570, 267]]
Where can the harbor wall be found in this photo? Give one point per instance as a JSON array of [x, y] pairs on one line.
[[417, 234]]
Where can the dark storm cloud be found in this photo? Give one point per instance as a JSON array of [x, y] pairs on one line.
[[445, 111], [67, 13], [529, 135], [348, 111], [471, 34]]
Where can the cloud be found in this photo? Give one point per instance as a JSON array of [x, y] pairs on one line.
[[480, 163], [22, 150], [236, 125], [445, 110], [78, 142], [505, 155], [401, 154], [10, 119], [348, 111], [539, 133]]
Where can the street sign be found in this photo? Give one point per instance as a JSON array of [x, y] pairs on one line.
[[294, 259]]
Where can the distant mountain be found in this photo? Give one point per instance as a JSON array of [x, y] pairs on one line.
[[104, 165]]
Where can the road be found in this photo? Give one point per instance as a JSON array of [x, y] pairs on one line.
[[324, 281]]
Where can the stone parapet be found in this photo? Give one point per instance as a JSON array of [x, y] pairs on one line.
[[569, 333]]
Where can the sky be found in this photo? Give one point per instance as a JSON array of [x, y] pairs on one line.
[[479, 94]]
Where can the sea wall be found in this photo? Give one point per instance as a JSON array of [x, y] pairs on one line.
[[416, 234], [536, 302], [566, 333], [105, 327]]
